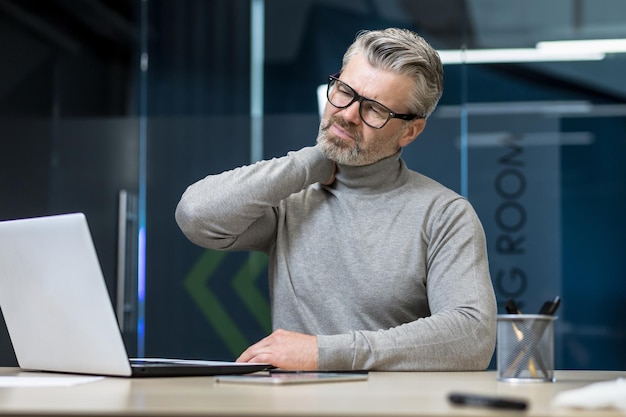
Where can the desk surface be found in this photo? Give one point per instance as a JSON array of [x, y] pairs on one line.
[[385, 393]]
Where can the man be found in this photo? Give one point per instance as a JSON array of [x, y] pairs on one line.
[[371, 265]]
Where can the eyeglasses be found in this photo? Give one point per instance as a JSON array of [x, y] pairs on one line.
[[373, 114]]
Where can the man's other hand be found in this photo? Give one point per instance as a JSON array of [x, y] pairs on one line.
[[284, 349]]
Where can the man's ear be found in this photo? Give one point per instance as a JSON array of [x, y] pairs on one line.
[[412, 131]]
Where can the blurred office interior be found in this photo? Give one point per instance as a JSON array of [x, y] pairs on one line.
[[113, 107]]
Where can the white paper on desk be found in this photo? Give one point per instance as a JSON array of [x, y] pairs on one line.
[[607, 394], [45, 381]]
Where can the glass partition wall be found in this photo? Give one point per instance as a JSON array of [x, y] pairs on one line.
[[69, 129], [159, 94]]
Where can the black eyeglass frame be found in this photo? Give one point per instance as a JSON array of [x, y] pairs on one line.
[[357, 97]]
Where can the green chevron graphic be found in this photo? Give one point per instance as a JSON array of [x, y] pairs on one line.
[[243, 283], [197, 285]]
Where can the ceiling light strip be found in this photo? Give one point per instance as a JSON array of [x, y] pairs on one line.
[[514, 55]]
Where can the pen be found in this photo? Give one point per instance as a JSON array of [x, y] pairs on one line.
[[549, 307], [477, 400], [511, 307]]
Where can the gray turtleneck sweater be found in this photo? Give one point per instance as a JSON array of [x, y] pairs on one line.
[[386, 266]]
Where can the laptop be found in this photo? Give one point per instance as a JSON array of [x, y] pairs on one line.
[[58, 311]]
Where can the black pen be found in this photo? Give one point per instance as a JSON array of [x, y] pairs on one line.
[[477, 400], [511, 307], [549, 307]]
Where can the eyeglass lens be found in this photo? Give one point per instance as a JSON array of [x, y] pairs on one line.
[[341, 95]]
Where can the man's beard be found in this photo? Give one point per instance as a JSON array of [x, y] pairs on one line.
[[337, 149], [345, 153]]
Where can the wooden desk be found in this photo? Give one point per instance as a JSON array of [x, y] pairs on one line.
[[385, 393]]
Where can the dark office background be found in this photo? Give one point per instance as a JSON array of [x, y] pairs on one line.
[[149, 96]]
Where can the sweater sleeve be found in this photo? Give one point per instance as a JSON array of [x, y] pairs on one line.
[[459, 334], [234, 210]]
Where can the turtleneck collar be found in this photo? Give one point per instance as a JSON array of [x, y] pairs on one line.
[[383, 175]]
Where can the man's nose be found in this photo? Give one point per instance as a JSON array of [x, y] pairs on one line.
[[351, 113]]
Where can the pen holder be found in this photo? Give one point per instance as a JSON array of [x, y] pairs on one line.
[[525, 348]]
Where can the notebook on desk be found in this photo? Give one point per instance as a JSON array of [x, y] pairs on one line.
[[57, 308]]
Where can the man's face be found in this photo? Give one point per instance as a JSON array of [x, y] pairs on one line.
[[344, 137]]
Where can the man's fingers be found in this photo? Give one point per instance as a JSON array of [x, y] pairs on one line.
[[284, 349]]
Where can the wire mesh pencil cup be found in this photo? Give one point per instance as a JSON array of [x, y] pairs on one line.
[[525, 347]]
